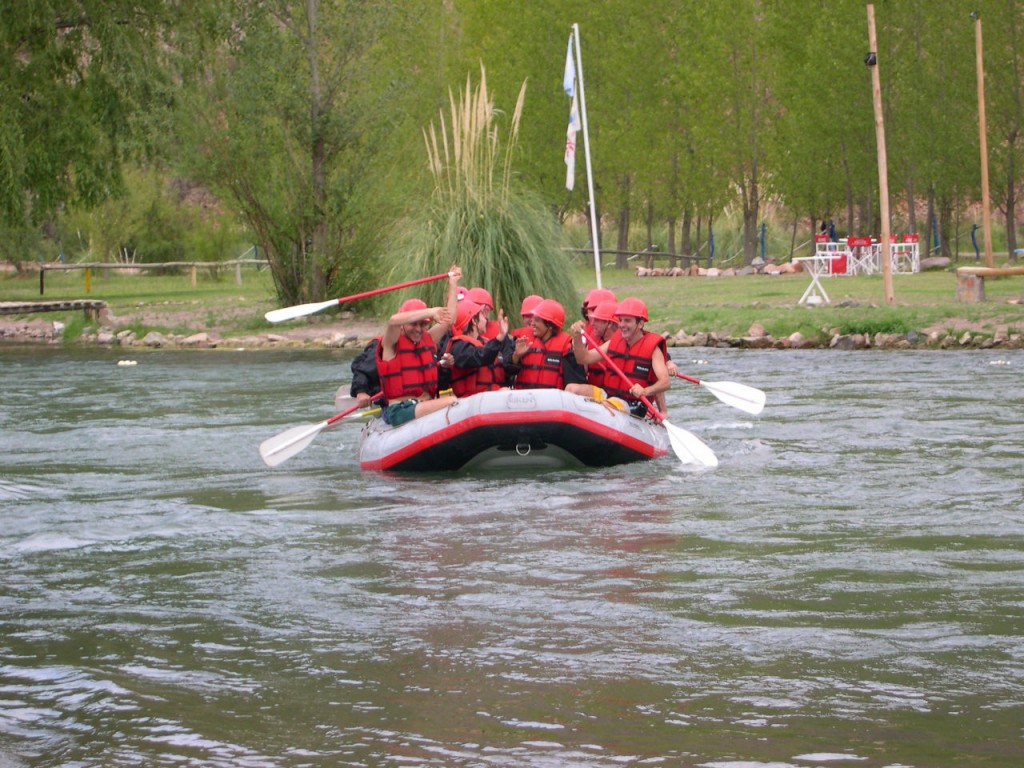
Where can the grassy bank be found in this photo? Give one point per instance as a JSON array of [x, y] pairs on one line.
[[732, 304], [725, 305]]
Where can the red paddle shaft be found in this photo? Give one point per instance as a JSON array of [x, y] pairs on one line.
[[389, 288]]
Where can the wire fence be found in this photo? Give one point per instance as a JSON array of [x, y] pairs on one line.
[[214, 269]]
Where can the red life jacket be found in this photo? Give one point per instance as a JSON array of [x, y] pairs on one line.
[[636, 362], [469, 381], [411, 372], [541, 366]]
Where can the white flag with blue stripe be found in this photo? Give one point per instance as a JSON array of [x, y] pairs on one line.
[[569, 84]]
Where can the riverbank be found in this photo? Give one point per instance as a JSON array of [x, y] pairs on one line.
[[348, 330], [138, 330], [741, 311]]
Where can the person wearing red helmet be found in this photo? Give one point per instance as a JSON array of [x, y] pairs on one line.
[[602, 325], [407, 357], [639, 353], [526, 312], [475, 366], [482, 297], [594, 297], [545, 360]]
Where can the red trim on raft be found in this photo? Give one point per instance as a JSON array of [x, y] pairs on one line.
[[512, 418]]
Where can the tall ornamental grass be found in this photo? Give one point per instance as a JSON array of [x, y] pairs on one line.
[[480, 215]]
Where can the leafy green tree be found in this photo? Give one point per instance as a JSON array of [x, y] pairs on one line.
[[302, 120], [520, 42], [823, 146], [154, 221], [306, 116], [1003, 43], [83, 87]]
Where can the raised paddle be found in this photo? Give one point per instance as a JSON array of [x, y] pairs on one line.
[[301, 310], [278, 449], [739, 396], [689, 448]]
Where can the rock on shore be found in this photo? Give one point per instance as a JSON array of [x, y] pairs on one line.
[[757, 338], [346, 334]]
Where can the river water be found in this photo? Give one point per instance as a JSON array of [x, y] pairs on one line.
[[846, 588]]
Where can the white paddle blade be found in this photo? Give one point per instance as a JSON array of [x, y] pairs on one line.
[[688, 447], [299, 310], [749, 399], [278, 449]]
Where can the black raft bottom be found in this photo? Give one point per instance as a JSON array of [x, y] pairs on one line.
[[542, 446]]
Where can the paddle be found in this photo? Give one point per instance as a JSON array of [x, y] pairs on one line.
[[301, 310], [739, 396], [278, 449], [689, 448]]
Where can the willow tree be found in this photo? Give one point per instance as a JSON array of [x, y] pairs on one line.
[[83, 88], [298, 123], [481, 216], [1004, 96]]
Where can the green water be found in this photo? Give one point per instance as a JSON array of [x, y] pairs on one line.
[[847, 588]]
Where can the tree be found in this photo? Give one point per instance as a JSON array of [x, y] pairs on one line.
[[84, 85], [1003, 24], [299, 122]]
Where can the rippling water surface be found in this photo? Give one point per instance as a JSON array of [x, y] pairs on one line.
[[847, 588]]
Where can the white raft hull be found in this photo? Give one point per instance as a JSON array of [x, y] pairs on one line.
[[519, 429]]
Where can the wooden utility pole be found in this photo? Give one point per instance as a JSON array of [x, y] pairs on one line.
[[883, 172], [986, 216]]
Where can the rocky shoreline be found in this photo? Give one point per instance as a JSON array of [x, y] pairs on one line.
[[347, 334]]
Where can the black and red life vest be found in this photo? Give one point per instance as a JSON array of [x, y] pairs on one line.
[[541, 366], [411, 372], [636, 361], [470, 381]]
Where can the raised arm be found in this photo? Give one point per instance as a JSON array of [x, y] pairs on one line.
[[451, 305], [397, 320], [583, 354]]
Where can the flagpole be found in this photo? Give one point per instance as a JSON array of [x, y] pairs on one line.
[[586, 154]]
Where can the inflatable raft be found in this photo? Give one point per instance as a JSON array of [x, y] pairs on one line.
[[519, 429]]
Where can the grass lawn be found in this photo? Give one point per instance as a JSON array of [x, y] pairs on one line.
[[720, 304], [216, 300], [731, 304]]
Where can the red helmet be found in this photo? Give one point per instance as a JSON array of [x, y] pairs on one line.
[[632, 308], [596, 296], [529, 304], [550, 311], [410, 304], [464, 314], [481, 297], [604, 311]]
